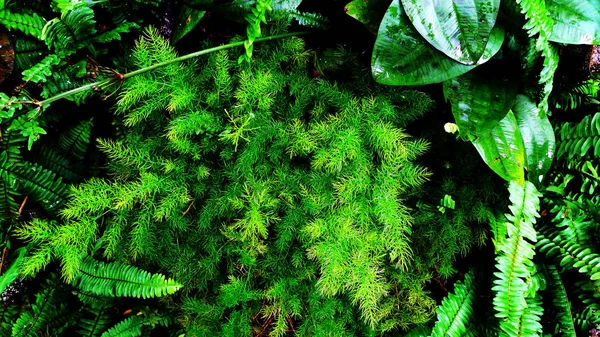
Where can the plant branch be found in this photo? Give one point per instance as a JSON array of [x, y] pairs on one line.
[[162, 64]]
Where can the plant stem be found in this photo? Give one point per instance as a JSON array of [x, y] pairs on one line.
[[162, 64]]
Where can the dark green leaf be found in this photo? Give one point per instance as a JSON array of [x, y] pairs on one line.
[[503, 149], [368, 12], [479, 102], [575, 22], [12, 272], [189, 17], [402, 57], [538, 137], [458, 28]]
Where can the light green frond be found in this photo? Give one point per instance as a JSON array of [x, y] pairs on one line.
[[115, 279]]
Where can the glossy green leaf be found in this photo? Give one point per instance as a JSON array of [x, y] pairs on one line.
[[575, 22], [402, 57], [458, 28], [538, 137], [11, 274], [188, 18], [368, 12], [479, 102], [503, 150]]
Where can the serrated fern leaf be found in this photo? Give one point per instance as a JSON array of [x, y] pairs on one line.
[[456, 310], [303, 18], [568, 254], [529, 322], [70, 31], [75, 141], [56, 162], [514, 259], [8, 205], [30, 24], [579, 139], [42, 312], [94, 323], [42, 185], [539, 22], [39, 72], [115, 279], [28, 52], [130, 327], [564, 316]]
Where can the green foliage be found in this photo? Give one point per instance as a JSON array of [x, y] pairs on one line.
[[39, 72], [580, 139], [275, 174], [118, 280], [456, 309], [75, 140], [564, 316], [254, 18], [42, 312], [472, 23], [28, 23], [517, 310], [567, 254], [68, 32], [12, 272], [399, 45]]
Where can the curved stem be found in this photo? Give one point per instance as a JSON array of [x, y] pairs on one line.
[[162, 64]]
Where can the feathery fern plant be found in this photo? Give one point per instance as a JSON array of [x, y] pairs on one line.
[[273, 198]]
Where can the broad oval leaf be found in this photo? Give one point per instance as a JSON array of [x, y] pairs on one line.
[[503, 150], [538, 137], [402, 57], [575, 22], [479, 102], [458, 28]]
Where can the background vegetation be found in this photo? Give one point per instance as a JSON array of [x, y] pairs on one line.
[[299, 168]]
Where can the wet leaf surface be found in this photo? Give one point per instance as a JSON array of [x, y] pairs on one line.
[[402, 57], [458, 28]]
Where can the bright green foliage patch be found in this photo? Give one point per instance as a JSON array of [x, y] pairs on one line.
[[257, 187]]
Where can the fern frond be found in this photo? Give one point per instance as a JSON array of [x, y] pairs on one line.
[[132, 326], [307, 19], [457, 309], [44, 310], [584, 94], [564, 316], [254, 18], [39, 72], [75, 141], [129, 327], [29, 52], [539, 22], [514, 260], [69, 32], [8, 189], [42, 185], [115, 279], [529, 323], [52, 160], [94, 323], [30, 24], [568, 254], [577, 139]]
